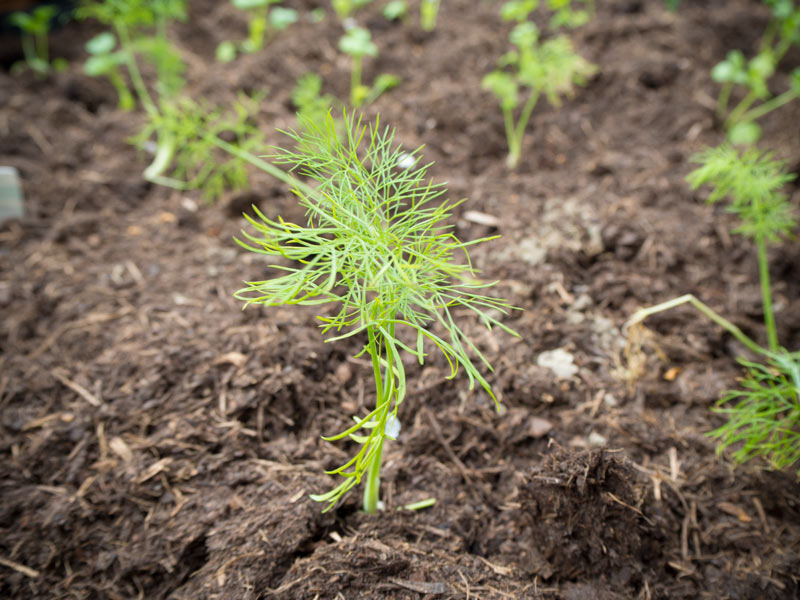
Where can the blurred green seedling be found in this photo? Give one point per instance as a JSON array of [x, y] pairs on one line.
[[379, 259], [344, 9], [564, 13], [396, 10], [357, 42], [752, 76], [34, 28], [105, 61], [764, 412], [429, 14], [265, 19], [551, 68]]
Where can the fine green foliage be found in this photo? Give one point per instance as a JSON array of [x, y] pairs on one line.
[[309, 100], [188, 136], [753, 76], [34, 27], [186, 133], [551, 67], [264, 22], [374, 251], [357, 42], [766, 415], [428, 14]]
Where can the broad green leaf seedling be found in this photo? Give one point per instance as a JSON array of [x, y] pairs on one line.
[[34, 28], [357, 42], [551, 67], [766, 417], [377, 258]]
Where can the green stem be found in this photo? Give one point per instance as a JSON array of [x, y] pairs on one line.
[[724, 97], [372, 485], [519, 131], [133, 70], [766, 293], [741, 108], [769, 106], [383, 392], [265, 166], [42, 48], [641, 314]]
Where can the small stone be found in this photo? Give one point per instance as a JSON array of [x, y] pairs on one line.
[[595, 439]]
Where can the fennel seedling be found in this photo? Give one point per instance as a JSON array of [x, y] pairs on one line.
[[34, 28], [357, 42], [551, 68], [375, 250], [766, 417]]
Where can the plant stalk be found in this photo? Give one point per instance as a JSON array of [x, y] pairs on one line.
[[641, 314], [769, 106], [133, 70], [766, 294]]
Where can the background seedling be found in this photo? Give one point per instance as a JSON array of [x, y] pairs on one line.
[[766, 416], [396, 10], [345, 8], [264, 22], [309, 100], [34, 28], [187, 133], [754, 75], [357, 42], [429, 14], [376, 251], [105, 61], [551, 68]]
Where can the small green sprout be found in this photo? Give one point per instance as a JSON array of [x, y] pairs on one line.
[[375, 250], [551, 68], [104, 61], [357, 42], [428, 14], [34, 28], [753, 76], [264, 21], [345, 8], [766, 418], [396, 10]]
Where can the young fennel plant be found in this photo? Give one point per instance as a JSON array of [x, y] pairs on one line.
[[376, 252], [753, 76], [34, 28], [357, 42], [765, 419], [549, 67]]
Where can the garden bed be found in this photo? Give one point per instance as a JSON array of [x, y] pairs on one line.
[[159, 442]]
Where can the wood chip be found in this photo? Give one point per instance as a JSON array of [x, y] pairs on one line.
[[473, 216], [32, 573], [422, 587], [121, 449], [236, 359], [735, 511]]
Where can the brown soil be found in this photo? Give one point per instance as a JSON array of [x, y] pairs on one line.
[[158, 442]]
